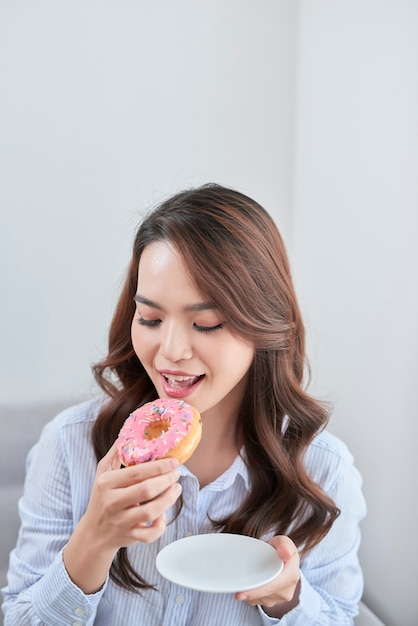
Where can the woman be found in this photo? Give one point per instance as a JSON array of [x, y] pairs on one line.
[[208, 313]]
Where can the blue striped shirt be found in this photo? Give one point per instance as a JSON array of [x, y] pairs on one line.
[[60, 472]]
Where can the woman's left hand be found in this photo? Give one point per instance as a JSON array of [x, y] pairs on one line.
[[281, 594]]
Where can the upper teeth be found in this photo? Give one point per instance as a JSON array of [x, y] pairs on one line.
[[179, 378]]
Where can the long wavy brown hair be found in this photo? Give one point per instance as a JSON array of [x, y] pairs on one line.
[[238, 261]]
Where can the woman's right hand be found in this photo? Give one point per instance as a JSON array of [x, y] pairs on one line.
[[126, 506], [129, 504]]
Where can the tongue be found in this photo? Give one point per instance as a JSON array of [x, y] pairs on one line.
[[182, 384]]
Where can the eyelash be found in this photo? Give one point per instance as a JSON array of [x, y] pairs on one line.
[[208, 329], [200, 329], [148, 323]]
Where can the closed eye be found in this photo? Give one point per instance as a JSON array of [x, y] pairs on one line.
[[149, 323], [207, 329], [154, 323]]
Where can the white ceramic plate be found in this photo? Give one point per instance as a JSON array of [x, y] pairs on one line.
[[219, 562]]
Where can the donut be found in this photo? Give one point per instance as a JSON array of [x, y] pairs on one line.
[[160, 429]]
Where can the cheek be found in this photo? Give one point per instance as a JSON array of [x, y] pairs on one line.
[[237, 357], [139, 340], [245, 358], [134, 333]]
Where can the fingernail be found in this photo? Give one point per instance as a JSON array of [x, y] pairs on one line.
[[177, 488], [173, 463]]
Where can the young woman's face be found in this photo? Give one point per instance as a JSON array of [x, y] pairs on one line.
[[183, 342]]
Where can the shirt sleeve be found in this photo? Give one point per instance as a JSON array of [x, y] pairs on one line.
[[54, 599], [331, 575], [39, 590]]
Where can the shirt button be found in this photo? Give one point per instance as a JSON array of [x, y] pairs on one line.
[[179, 599], [188, 533], [76, 623], [79, 612]]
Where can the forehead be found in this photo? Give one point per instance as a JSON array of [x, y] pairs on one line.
[[162, 268], [157, 255]]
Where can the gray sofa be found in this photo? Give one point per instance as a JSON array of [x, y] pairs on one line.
[[21, 428]]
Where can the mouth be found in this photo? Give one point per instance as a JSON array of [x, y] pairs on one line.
[[180, 385]]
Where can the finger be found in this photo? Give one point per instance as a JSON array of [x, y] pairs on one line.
[[110, 461], [284, 547], [135, 474], [153, 509], [144, 533], [151, 514], [258, 595], [145, 491], [147, 533], [276, 589]]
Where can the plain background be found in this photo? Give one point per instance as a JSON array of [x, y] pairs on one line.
[[311, 107]]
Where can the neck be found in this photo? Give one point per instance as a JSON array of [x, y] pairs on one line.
[[216, 451]]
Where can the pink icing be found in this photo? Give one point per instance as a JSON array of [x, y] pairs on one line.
[[134, 447]]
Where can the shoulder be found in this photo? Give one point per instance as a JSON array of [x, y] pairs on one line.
[[326, 443], [72, 425], [327, 459], [61, 466], [83, 413], [65, 444]]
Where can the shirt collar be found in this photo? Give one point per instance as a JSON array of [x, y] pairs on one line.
[[225, 480]]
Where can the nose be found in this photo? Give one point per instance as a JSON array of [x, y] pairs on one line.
[[175, 343]]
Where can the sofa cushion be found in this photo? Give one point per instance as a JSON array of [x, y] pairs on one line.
[[21, 429]]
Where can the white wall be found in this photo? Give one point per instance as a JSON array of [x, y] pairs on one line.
[[105, 108], [356, 259]]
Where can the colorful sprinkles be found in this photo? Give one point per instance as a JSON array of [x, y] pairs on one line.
[[133, 444]]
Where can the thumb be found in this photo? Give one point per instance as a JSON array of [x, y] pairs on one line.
[[284, 546], [110, 461]]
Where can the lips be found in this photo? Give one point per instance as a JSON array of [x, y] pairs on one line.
[[180, 385]]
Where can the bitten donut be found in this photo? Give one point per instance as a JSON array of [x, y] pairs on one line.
[[160, 429]]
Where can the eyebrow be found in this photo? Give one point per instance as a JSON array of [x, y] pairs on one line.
[[199, 306]]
